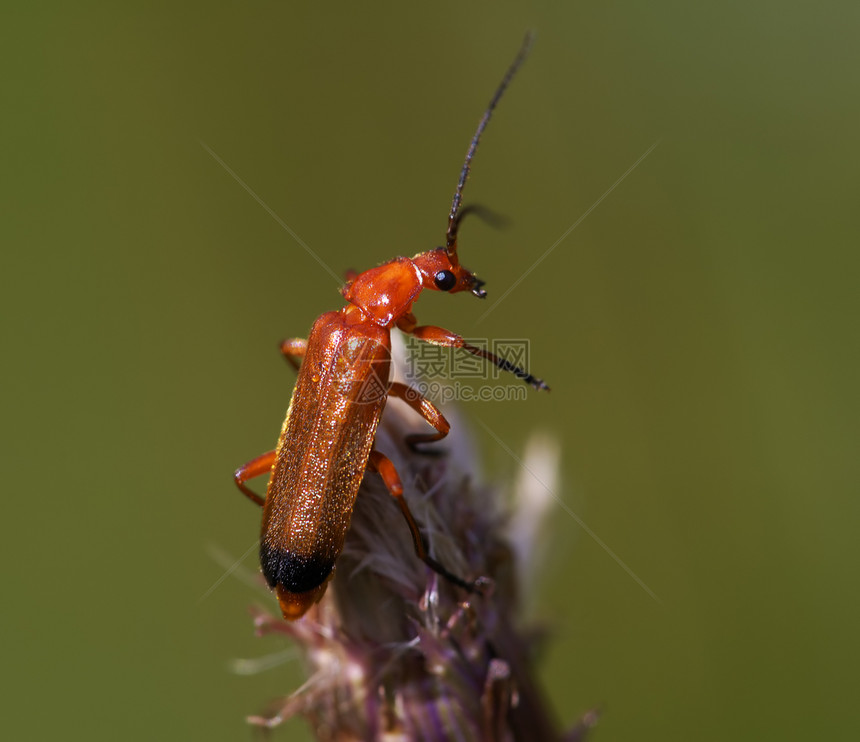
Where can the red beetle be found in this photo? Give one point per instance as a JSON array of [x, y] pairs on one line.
[[326, 442]]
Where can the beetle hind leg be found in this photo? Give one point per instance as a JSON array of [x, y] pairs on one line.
[[383, 466], [254, 468]]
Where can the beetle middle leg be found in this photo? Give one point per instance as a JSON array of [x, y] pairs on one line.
[[254, 468], [381, 464], [423, 407], [294, 349]]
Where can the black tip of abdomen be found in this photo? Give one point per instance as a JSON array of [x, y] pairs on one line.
[[296, 572]]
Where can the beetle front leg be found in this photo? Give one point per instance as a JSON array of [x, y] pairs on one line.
[[382, 465], [407, 322], [423, 407], [440, 336], [254, 468]]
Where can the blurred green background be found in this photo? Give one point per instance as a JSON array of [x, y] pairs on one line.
[[699, 329]]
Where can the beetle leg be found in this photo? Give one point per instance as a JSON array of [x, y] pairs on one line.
[[382, 464], [254, 468], [294, 348], [423, 407], [440, 336], [407, 322]]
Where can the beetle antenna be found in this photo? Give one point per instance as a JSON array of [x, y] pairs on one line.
[[455, 215], [492, 218]]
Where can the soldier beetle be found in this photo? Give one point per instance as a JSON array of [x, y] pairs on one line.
[[326, 441]]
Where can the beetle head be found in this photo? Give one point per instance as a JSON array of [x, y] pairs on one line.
[[441, 271]]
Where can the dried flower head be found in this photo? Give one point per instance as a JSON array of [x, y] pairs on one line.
[[396, 652]]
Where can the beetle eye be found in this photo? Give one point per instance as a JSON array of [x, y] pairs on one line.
[[445, 280]]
